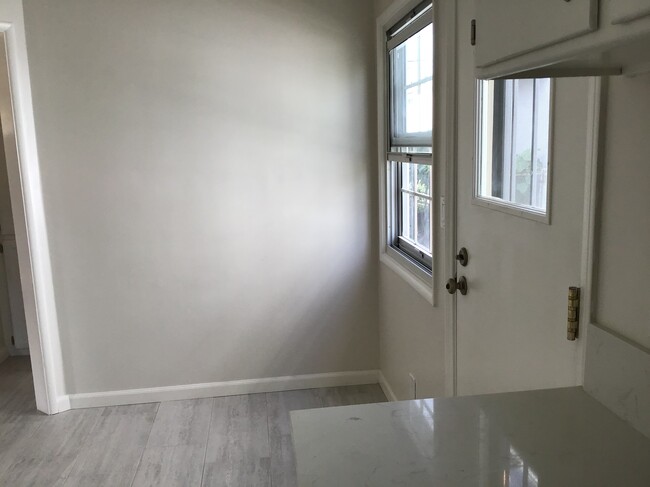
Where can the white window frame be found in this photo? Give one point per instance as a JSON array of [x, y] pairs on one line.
[[414, 274], [498, 204]]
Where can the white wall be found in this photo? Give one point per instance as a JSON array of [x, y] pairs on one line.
[[209, 183], [624, 257]]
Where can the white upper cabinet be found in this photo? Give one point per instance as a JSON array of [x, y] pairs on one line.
[[508, 28], [555, 38]]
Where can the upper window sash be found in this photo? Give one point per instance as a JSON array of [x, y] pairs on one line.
[[409, 25], [420, 139]]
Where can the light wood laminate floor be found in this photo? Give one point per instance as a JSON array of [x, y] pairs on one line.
[[222, 441]]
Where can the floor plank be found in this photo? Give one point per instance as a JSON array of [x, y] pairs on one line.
[[176, 447], [17, 400], [113, 452], [168, 466], [47, 455], [181, 423], [238, 446], [227, 441], [283, 460]]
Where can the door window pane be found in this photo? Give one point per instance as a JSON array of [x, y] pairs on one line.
[[513, 142]]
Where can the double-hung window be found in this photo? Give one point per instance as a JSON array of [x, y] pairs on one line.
[[409, 136]]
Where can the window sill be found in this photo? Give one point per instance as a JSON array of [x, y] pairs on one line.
[[512, 209], [401, 266]]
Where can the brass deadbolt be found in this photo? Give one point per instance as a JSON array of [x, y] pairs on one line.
[[463, 257]]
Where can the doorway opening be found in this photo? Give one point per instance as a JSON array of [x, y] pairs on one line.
[[14, 344]]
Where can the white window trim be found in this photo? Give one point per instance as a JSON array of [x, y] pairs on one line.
[[503, 206], [419, 279]]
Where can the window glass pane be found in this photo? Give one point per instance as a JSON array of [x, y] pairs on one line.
[[411, 90], [513, 141], [416, 220], [417, 178], [423, 234], [419, 108], [542, 136], [408, 176], [521, 176], [408, 217]]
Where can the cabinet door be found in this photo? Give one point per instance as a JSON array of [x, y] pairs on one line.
[[624, 11], [508, 28]]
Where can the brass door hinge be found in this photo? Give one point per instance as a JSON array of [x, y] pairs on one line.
[[574, 313]]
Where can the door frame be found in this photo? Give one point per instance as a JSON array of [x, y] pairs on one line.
[[19, 135], [449, 151]]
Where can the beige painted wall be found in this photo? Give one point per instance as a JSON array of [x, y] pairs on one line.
[[411, 337], [209, 182], [381, 5], [622, 302]]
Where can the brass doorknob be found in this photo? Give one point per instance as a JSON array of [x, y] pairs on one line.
[[459, 285]]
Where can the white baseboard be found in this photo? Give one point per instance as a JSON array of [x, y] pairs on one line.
[[216, 389], [4, 354], [385, 386], [62, 404], [20, 352]]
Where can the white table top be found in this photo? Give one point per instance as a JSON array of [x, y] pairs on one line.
[[554, 438]]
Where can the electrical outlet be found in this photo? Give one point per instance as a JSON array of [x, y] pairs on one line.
[[414, 386]]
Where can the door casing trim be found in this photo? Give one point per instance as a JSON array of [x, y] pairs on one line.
[[596, 117], [28, 211], [448, 144]]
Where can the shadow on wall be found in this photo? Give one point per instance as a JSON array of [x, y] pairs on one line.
[[210, 187]]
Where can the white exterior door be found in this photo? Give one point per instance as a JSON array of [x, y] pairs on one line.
[[511, 326]]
